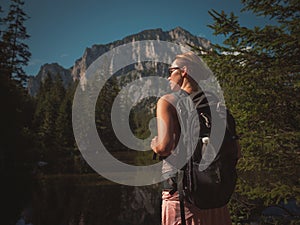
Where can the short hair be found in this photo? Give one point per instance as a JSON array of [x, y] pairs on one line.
[[196, 67]]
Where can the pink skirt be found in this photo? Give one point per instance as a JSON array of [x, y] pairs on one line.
[[193, 215]]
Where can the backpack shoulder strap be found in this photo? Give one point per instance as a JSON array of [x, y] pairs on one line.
[[181, 195]]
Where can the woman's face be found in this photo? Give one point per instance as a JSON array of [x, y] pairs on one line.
[[175, 76]]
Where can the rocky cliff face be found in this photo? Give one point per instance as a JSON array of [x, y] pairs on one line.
[[177, 35], [52, 70]]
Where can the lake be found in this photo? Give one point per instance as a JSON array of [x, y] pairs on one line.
[[90, 199]]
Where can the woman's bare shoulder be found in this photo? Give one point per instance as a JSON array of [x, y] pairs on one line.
[[168, 99]]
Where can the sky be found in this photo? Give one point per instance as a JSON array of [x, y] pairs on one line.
[[61, 30]]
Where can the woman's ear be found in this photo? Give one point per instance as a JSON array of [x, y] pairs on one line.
[[184, 71]]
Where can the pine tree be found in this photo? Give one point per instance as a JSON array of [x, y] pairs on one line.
[[63, 124], [2, 56], [16, 151], [103, 114], [259, 70], [49, 101], [15, 53]]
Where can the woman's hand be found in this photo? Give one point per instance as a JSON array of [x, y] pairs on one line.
[[154, 143]]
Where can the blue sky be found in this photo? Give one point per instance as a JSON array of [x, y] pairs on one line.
[[60, 30]]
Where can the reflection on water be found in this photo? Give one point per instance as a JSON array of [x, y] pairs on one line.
[[89, 200]]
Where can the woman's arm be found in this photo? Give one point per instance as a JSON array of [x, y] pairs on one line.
[[165, 140]]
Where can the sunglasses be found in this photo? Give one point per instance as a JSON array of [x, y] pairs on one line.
[[172, 69]]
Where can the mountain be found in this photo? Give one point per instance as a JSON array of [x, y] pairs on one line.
[[52, 70], [176, 35]]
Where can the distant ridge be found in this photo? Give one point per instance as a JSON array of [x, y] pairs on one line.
[[77, 71]]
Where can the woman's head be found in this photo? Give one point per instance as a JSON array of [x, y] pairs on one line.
[[195, 66], [187, 68]]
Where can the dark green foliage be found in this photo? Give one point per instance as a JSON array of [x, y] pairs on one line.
[[53, 125], [139, 121], [63, 123], [140, 117], [16, 116], [14, 52], [103, 115], [259, 70], [17, 158]]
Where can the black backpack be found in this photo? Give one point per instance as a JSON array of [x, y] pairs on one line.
[[206, 182]]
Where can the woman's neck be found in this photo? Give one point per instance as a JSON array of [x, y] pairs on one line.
[[190, 87]]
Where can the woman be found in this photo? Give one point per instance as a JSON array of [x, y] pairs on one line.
[[184, 73]]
